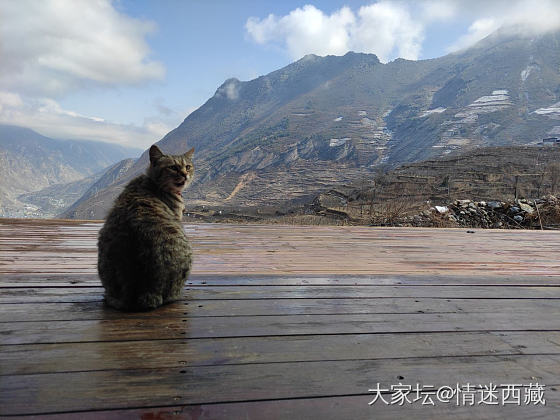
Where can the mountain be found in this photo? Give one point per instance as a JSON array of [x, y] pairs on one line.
[[327, 121], [86, 206], [489, 173], [30, 162], [50, 201]]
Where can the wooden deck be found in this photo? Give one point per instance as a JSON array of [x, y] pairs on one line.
[[282, 322]]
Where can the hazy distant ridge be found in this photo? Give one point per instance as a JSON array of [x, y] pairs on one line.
[[30, 162]]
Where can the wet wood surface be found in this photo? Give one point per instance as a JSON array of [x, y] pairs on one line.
[[282, 322]]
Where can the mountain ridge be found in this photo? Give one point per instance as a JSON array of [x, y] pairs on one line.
[[336, 119]]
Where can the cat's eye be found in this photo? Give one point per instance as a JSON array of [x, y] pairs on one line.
[[188, 167], [174, 168]]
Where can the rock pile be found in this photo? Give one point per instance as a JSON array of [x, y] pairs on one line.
[[518, 214]]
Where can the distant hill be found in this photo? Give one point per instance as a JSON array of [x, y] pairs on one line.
[[334, 120], [30, 162], [85, 207], [50, 201]]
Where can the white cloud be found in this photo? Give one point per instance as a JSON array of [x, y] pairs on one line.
[[385, 28], [305, 30], [479, 29], [434, 10], [49, 47], [8, 100], [230, 89], [393, 28], [47, 117], [520, 16], [526, 15]]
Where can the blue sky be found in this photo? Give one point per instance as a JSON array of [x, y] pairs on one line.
[[128, 71]]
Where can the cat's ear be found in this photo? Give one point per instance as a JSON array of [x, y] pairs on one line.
[[155, 154], [189, 154]]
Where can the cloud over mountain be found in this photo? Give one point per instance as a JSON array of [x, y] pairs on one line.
[[519, 16], [381, 27], [395, 28]]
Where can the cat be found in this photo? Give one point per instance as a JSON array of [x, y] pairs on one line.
[[144, 256]]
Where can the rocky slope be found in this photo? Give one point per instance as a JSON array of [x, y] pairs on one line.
[[333, 120], [540, 213]]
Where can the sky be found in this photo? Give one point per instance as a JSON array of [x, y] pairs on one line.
[[129, 71]]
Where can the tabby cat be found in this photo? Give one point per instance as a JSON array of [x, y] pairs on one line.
[[144, 254]]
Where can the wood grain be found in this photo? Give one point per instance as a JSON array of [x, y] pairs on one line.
[[94, 390], [192, 293], [57, 311], [350, 407], [153, 354], [254, 326], [276, 249], [281, 322]]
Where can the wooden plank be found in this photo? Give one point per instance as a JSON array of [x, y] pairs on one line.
[[21, 312], [153, 354], [291, 336], [34, 295], [61, 392], [444, 292], [372, 280], [349, 407], [63, 279], [263, 249], [252, 326], [88, 294]]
